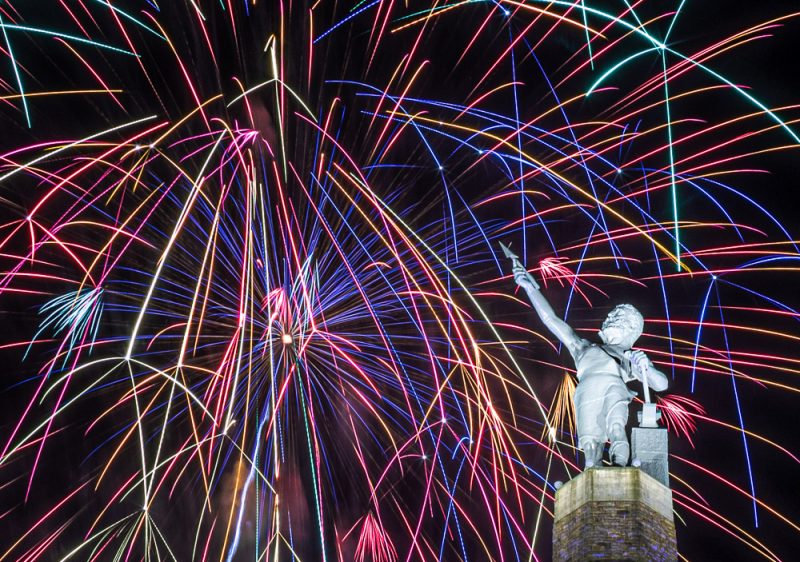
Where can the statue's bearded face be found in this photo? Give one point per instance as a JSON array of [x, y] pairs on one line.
[[622, 327]]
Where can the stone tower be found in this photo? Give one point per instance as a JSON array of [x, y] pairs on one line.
[[619, 514]]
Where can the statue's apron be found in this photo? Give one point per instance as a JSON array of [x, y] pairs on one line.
[[602, 398]]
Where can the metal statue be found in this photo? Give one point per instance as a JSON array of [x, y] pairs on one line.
[[601, 397]]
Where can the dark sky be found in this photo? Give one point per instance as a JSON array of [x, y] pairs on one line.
[[549, 63]]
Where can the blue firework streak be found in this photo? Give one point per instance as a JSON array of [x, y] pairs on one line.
[[302, 342], [75, 317]]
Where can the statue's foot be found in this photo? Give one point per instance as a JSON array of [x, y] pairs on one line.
[[620, 452], [593, 453]]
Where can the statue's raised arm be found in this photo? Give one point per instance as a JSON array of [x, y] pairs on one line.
[[601, 397], [550, 319]]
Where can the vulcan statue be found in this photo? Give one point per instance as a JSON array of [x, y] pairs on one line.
[[601, 397]]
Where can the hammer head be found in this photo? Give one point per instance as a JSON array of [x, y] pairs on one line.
[[508, 253]]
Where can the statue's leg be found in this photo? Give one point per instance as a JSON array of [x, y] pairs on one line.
[[589, 420], [620, 449], [592, 451]]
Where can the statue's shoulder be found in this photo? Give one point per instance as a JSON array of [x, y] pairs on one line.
[[581, 347]]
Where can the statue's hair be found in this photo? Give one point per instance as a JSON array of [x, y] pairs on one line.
[[627, 316]]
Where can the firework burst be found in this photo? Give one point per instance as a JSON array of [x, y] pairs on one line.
[[251, 247]]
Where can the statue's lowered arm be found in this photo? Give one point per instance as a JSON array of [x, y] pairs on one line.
[[644, 370]]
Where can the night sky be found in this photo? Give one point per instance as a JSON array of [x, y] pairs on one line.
[[250, 249]]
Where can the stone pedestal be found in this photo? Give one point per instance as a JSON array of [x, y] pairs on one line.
[[619, 514], [650, 449]]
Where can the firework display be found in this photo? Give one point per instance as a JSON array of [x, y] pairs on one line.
[[255, 303]]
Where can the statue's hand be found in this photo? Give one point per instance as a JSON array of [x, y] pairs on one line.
[[641, 362], [523, 278]]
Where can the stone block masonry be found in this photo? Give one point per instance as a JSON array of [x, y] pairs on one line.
[[619, 514]]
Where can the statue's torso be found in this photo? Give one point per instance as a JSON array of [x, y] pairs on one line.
[[594, 361], [602, 396]]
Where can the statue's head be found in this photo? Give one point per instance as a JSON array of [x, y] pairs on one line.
[[622, 326]]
